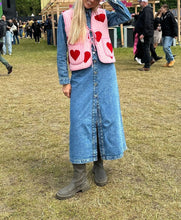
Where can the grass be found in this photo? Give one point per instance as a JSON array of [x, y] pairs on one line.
[[34, 126]]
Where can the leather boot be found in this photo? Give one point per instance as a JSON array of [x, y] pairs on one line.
[[79, 183], [9, 68], [100, 176]]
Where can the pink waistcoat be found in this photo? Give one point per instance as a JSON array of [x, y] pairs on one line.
[[80, 53]]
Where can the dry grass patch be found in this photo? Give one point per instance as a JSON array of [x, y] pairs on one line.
[[34, 162]]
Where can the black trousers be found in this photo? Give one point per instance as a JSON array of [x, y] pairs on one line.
[[37, 37], [153, 52], [146, 50], [140, 52]]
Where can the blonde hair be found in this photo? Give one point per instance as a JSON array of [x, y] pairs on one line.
[[78, 25]]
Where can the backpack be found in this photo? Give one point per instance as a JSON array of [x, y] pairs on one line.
[[2, 28]]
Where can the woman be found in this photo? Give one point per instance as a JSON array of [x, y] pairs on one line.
[[20, 29], [96, 130], [15, 31], [157, 29]]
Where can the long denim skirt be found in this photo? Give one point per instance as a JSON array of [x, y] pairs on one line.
[[95, 109]]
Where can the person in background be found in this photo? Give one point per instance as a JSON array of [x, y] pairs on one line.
[[2, 34], [48, 29], [143, 47], [41, 27], [96, 129], [36, 28], [144, 27], [30, 27], [157, 29], [137, 48], [24, 30], [15, 31], [13, 27], [7, 39], [27, 29], [169, 32], [20, 29]]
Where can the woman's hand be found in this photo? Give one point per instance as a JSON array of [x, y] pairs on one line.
[[67, 90], [141, 36]]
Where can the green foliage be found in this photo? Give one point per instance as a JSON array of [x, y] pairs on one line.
[[28, 7], [171, 4]]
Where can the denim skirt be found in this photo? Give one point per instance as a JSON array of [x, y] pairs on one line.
[[95, 109]]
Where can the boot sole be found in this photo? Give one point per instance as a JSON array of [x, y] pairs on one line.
[[100, 184], [78, 189]]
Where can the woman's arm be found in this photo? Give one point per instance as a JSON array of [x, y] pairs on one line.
[[120, 15], [62, 53]]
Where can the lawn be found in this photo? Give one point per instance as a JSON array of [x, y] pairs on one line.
[[34, 156]]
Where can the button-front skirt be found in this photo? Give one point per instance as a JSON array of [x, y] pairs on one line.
[[95, 105]]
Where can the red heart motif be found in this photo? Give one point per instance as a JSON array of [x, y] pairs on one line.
[[100, 17], [87, 55], [109, 45], [98, 35], [68, 60], [74, 54]]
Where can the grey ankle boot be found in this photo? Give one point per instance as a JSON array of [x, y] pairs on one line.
[[79, 183], [100, 176]]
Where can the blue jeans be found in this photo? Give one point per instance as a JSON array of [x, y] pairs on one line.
[[167, 43], [21, 33], [49, 36], [15, 37], [7, 41]]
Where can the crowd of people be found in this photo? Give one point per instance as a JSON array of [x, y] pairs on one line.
[[150, 31], [18, 29], [14, 30]]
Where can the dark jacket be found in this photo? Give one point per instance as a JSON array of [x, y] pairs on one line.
[[8, 25], [169, 25], [145, 22], [36, 27], [48, 24], [157, 22]]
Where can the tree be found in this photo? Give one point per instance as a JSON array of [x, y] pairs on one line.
[[171, 3], [28, 7]]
